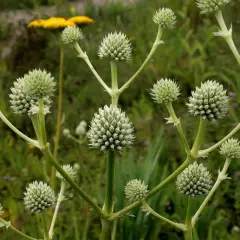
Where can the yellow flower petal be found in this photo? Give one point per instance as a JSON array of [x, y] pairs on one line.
[[81, 20]]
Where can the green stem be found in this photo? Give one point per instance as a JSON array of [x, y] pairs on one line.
[[227, 35], [35, 122], [177, 225], [154, 48], [44, 226], [106, 230], [221, 176], [115, 94], [42, 123], [177, 123], [188, 223], [20, 134], [21, 234], [59, 201]]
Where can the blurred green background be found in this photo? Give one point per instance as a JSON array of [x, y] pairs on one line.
[[190, 55]]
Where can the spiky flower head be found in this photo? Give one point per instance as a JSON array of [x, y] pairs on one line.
[[165, 91], [195, 180], [165, 18], [209, 101], [69, 170], [1, 209], [71, 35], [115, 46], [135, 190], [38, 83], [110, 129], [38, 196], [21, 103], [230, 148], [209, 6]]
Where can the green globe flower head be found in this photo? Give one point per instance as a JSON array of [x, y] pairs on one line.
[[69, 170], [21, 103], [116, 47], [165, 18], [165, 91], [1, 209], [209, 6], [39, 84], [209, 101], [71, 35], [195, 180], [38, 196], [110, 129], [230, 148], [135, 190]]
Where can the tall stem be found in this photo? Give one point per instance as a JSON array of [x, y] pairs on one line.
[[44, 226], [115, 94], [42, 123], [59, 115], [188, 219]]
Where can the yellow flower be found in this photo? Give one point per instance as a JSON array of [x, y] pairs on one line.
[[36, 23], [55, 22], [81, 20], [72, 10]]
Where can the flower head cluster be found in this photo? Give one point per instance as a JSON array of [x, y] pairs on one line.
[[71, 172], [110, 129], [135, 190], [165, 91], [71, 35], [115, 46], [165, 18], [209, 101], [1, 209], [195, 180], [79, 20], [230, 148], [38, 196], [208, 6]]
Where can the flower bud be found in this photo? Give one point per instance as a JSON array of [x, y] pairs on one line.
[[115, 46], [209, 101], [66, 132], [38, 196], [81, 128], [165, 18], [71, 172], [195, 180], [110, 129], [71, 35], [230, 148], [135, 190], [165, 91], [208, 6]]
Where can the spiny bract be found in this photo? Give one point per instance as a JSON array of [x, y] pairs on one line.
[[165, 18], [165, 91], [71, 35], [209, 101], [110, 129], [38, 196], [69, 170], [208, 6], [38, 83], [230, 148], [21, 103], [135, 190], [115, 46], [194, 180]]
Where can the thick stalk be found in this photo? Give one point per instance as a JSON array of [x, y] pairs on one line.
[[59, 201], [35, 123], [188, 223], [42, 123], [177, 123], [115, 94], [221, 176], [154, 48], [19, 233], [44, 226], [59, 115]]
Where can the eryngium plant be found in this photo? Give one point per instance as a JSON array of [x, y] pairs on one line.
[[111, 131]]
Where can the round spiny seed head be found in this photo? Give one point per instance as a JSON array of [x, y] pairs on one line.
[[69, 170], [165, 18], [194, 180], [1, 209], [209, 6], [110, 129], [71, 35], [38, 83], [115, 46], [135, 190], [209, 101], [21, 103], [230, 148], [165, 91], [38, 196]]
